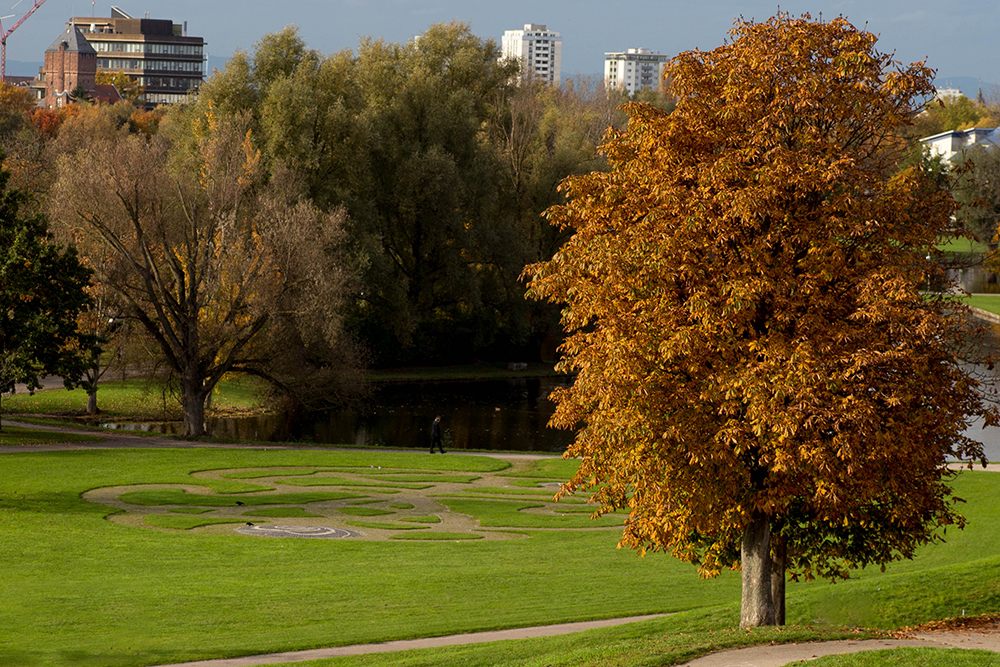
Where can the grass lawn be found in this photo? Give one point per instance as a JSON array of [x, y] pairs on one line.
[[80, 589], [924, 657], [15, 436], [139, 399], [962, 245], [988, 302]]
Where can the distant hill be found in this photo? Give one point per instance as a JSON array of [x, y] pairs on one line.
[[22, 68]]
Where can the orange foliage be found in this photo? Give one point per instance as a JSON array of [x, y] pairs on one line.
[[742, 297], [46, 122]]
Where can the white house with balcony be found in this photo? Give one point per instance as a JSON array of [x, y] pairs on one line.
[[949, 144], [634, 70]]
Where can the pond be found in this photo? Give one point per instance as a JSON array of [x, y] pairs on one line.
[[485, 414]]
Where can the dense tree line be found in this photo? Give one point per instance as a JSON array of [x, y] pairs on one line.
[[443, 166], [311, 213]]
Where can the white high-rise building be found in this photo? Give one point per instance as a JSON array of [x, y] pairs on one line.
[[634, 70], [538, 49]]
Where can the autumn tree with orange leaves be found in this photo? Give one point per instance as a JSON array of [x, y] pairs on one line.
[[759, 380]]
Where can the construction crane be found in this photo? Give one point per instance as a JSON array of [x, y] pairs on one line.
[[5, 34]]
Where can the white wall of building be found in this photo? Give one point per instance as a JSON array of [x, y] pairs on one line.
[[634, 69], [948, 144], [538, 49]]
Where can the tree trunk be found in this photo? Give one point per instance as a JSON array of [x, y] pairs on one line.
[[92, 402], [193, 402], [778, 557], [756, 607]]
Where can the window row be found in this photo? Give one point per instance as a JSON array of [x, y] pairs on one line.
[[178, 83], [149, 65], [144, 47]]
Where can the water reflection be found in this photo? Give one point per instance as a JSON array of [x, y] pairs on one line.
[[486, 414]]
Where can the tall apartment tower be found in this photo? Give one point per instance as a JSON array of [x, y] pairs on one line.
[[70, 62], [157, 52], [634, 70], [538, 49]]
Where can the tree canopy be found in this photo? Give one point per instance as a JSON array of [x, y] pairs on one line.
[[759, 377], [41, 295], [224, 271]]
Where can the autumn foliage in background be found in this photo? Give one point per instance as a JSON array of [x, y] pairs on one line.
[[760, 380]]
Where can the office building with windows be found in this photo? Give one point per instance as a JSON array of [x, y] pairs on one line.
[[634, 70], [538, 49], [158, 53]]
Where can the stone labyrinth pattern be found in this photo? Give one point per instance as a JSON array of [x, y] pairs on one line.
[[322, 532], [351, 503]]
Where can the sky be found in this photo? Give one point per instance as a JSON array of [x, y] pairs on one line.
[[958, 38]]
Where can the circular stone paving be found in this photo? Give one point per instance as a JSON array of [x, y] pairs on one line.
[[323, 532]]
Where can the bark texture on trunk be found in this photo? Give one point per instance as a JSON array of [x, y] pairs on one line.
[[92, 403], [778, 556], [193, 398], [756, 607]]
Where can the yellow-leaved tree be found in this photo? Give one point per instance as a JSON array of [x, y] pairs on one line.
[[760, 380]]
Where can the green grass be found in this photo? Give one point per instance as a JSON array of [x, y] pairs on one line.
[[282, 512], [385, 526], [657, 642], [955, 244], [987, 302], [364, 511], [343, 481], [79, 589], [513, 514], [152, 497], [435, 479], [908, 657], [133, 399], [175, 522], [15, 436], [437, 537], [429, 518]]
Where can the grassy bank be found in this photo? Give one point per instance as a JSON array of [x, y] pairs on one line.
[[987, 302], [81, 589], [137, 399]]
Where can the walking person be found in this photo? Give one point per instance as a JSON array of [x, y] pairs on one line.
[[436, 434]]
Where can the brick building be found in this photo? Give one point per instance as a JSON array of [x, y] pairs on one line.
[[70, 62]]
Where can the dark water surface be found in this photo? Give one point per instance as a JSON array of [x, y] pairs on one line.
[[483, 414]]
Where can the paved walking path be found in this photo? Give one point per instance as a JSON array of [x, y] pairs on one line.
[[776, 655], [782, 654], [408, 644]]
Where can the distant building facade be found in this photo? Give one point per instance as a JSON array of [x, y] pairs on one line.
[[70, 62], [949, 144], [634, 70], [538, 49], [157, 53]]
